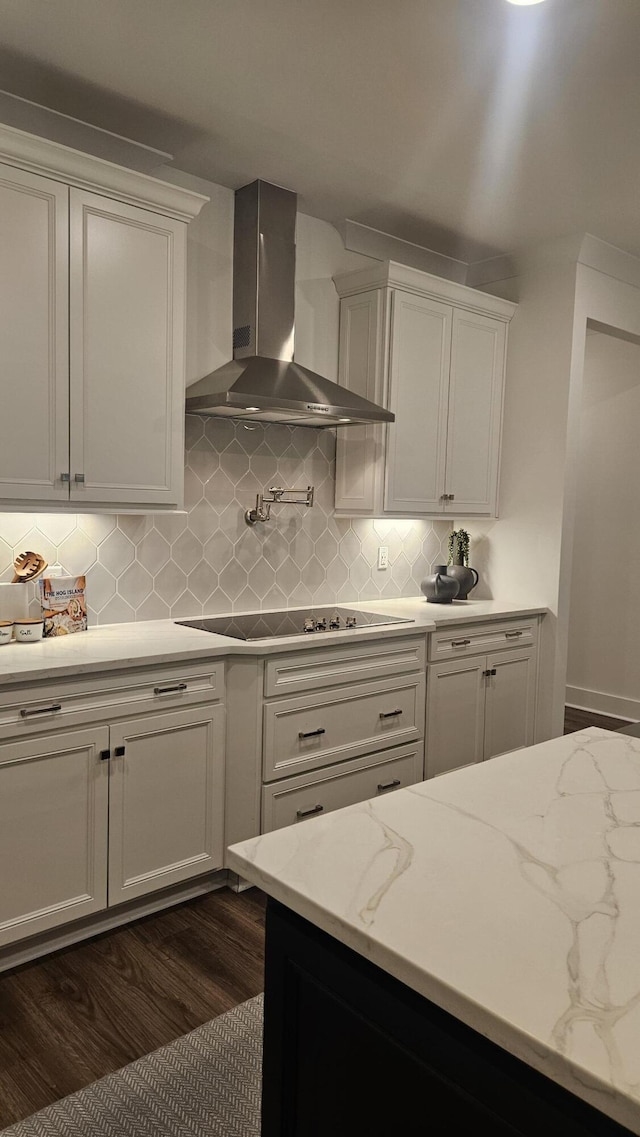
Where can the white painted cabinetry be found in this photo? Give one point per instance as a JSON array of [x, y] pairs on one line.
[[433, 353], [53, 831], [127, 300], [34, 337], [336, 739], [480, 703], [93, 816], [92, 325]]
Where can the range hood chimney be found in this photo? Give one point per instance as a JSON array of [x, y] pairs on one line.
[[263, 382]]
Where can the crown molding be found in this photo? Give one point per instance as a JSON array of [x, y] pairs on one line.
[[63, 163], [390, 274]]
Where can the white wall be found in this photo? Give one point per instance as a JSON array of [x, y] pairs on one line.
[[603, 671], [559, 289], [522, 548]]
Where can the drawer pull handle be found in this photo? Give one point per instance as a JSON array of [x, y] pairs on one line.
[[390, 714], [460, 643], [512, 635], [26, 711], [309, 812], [311, 733], [388, 785], [170, 690]]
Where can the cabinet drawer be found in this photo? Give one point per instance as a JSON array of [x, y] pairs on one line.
[[310, 731], [330, 667], [31, 709], [471, 638], [311, 795]]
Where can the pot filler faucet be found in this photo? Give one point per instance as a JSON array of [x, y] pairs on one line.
[[262, 510]]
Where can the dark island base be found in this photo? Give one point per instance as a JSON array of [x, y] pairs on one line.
[[351, 1052]]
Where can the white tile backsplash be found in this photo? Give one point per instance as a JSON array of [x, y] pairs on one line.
[[207, 559]]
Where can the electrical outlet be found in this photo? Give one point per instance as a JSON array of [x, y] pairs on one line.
[[383, 557]]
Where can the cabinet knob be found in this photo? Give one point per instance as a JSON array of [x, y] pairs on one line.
[[78, 477], [65, 477], [118, 752]]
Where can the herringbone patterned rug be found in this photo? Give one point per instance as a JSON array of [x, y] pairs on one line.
[[205, 1084]]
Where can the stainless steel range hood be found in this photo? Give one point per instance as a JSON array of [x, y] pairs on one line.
[[263, 381]]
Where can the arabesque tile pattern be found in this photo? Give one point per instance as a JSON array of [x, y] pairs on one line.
[[208, 560]]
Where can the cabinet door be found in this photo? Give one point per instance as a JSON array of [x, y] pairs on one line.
[[475, 413], [361, 369], [455, 714], [418, 385], [53, 831], [127, 353], [166, 800], [34, 421], [510, 701]]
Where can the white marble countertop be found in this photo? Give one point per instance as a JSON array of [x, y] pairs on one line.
[[120, 646], [507, 893]]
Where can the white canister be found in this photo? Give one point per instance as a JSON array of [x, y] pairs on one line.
[[28, 631], [6, 631], [14, 601]]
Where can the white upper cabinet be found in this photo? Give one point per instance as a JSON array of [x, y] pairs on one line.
[[92, 330], [433, 352], [34, 336], [127, 345]]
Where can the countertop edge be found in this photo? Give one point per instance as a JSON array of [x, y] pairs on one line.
[[535, 1054]]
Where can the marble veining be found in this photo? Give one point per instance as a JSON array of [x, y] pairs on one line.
[[507, 892]]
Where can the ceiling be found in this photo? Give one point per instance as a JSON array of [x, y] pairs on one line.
[[471, 127]]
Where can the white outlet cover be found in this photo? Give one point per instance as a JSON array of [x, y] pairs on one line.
[[383, 556]]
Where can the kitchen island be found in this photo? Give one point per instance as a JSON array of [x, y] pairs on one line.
[[469, 944]]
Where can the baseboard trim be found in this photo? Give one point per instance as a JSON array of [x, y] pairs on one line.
[[601, 703], [27, 950]]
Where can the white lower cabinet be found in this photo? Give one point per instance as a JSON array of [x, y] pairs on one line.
[[53, 831], [339, 740], [296, 799], [165, 800], [478, 707], [93, 817]]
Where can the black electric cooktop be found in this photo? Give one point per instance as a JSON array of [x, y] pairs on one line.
[[270, 625]]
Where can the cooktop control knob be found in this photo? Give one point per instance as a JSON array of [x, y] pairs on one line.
[[309, 624], [334, 622], [321, 625], [351, 621]]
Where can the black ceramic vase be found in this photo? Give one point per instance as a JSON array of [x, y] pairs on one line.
[[467, 579], [439, 588]]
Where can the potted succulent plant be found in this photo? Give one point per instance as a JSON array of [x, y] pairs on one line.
[[458, 563]]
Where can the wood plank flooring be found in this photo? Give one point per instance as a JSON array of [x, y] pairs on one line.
[[576, 719], [73, 1016]]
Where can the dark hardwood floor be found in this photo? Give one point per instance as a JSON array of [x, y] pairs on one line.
[[575, 719], [80, 1013]]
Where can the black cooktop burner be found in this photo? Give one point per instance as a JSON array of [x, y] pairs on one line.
[[269, 625]]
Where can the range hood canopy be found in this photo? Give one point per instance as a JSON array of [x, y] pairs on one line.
[[263, 382]]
